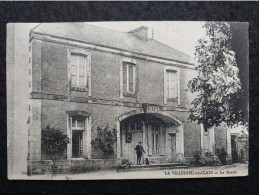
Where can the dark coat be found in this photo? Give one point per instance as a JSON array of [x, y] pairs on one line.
[[139, 149]]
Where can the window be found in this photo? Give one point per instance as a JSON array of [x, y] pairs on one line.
[[78, 71], [78, 128], [171, 84], [155, 139], [155, 143], [128, 77]]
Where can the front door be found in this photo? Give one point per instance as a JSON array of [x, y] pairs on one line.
[[173, 147]]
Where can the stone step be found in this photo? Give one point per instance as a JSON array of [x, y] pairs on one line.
[[154, 167]]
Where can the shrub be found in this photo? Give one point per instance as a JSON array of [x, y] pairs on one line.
[[105, 141], [54, 144]]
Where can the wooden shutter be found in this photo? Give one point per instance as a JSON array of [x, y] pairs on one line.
[[150, 140], [69, 134], [162, 140], [124, 77], [73, 70], [81, 71], [173, 84], [130, 78], [167, 84]]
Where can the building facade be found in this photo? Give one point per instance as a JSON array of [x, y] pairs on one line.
[[82, 77]]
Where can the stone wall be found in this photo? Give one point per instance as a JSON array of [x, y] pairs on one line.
[[105, 75]]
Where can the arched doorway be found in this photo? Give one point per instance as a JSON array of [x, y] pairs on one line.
[[161, 135]]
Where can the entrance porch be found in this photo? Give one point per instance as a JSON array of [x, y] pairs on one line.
[[160, 133]]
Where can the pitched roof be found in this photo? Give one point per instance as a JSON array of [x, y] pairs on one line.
[[111, 38]]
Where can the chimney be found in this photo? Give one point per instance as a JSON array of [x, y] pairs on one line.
[[140, 32]]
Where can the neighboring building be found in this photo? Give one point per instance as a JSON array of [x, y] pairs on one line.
[[238, 144], [82, 77]]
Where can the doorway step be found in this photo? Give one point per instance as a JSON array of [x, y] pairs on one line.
[[155, 166]]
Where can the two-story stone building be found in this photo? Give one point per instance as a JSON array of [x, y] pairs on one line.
[[83, 77]]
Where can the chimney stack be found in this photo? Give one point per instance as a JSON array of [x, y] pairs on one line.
[[140, 32]]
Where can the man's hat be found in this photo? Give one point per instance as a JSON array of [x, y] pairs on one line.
[[140, 142]]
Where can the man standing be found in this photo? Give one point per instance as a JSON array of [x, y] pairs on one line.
[[139, 149]]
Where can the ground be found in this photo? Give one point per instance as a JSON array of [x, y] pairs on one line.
[[233, 170]]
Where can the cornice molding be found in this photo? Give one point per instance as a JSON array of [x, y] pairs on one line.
[[90, 100]]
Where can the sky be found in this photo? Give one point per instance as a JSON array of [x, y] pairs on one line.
[[182, 36]]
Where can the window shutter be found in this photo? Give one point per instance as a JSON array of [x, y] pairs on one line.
[[162, 140], [167, 84], [131, 78], [73, 75], [149, 133], [85, 138], [69, 134], [171, 84], [124, 77]]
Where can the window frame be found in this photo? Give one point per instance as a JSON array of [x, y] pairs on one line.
[[169, 93], [127, 93], [87, 81], [128, 65], [78, 71], [177, 98], [86, 119], [81, 129]]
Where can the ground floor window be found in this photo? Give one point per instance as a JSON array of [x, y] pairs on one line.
[[155, 149], [155, 138], [78, 128], [77, 144]]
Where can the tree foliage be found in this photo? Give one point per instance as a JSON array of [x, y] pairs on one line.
[[217, 85], [104, 141], [54, 143]]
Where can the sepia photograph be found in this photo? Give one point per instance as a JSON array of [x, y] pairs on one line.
[[127, 100]]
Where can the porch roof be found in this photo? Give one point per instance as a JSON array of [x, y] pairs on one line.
[[165, 119]]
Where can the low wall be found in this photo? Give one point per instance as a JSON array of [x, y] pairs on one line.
[[70, 166]]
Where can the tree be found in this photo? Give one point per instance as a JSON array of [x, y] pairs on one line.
[[104, 141], [54, 144], [217, 85]]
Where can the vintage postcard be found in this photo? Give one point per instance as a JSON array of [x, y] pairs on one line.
[[127, 100]]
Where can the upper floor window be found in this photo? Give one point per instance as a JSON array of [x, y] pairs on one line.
[[128, 77], [78, 70], [171, 84]]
